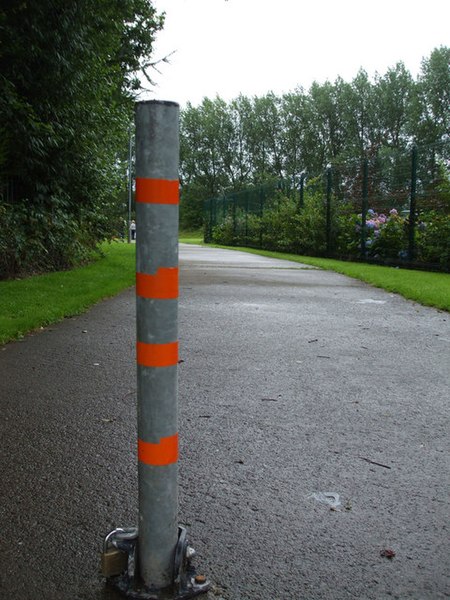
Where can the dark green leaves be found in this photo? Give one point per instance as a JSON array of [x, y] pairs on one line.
[[67, 87]]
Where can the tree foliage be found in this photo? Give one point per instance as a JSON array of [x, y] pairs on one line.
[[68, 77], [228, 146]]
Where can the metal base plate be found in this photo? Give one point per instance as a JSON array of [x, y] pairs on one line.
[[141, 592], [186, 583]]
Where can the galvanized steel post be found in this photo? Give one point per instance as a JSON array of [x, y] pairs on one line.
[[153, 561], [157, 156]]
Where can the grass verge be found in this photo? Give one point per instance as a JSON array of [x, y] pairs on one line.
[[424, 287], [37, 301], [191, 237]]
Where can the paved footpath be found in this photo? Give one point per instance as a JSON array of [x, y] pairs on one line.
[[314, 423]]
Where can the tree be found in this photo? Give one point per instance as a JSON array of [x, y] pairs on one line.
[[266, 140], [240, 114], [291, 115], [359, 114], [431, 116], [67, 84], [205, 144], [325, 111], [434, 92], [394, 92], [249, 141]]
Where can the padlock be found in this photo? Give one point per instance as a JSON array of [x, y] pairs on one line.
[[113, 560]]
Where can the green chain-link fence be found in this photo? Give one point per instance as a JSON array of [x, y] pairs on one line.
[[393, 208]]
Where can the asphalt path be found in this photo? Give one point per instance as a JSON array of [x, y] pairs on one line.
[[314, 424]]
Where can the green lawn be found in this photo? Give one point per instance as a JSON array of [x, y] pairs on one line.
[[192, 237], [34, 302], [37, 301]]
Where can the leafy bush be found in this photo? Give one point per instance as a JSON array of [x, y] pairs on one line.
[[279, 225], [386, 236], [312, 226], [349, 233], [285, 227], [225, 232], [389, 239], [434, 239], [65, 111], [282, 226], [33, 240]]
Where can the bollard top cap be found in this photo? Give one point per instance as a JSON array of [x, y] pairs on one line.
[[162, 102]]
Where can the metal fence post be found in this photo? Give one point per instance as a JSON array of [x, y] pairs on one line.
[[247, 208], [261, 214], [365, 193], [328, 210], [211, 218], [412, 205], [301, 202]]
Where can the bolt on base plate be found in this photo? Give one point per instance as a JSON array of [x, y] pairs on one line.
[[187, 584]]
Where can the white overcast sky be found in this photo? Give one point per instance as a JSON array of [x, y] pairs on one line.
[[228, 47]]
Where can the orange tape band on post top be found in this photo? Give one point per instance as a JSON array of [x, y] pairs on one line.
[[157, 355], [164, 453], [157, 191], [161, 286]]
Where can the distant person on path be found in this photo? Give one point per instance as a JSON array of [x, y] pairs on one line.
[[133, 231]]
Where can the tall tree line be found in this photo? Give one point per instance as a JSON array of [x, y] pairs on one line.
[[68, 80], [230, 145]]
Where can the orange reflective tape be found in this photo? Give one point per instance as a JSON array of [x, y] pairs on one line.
[[157, 355], [163, 453], [157, 191], [161, 286]]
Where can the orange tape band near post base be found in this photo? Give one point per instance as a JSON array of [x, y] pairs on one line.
[[157, 191], [157, 355], [163, 453], [161, 286]]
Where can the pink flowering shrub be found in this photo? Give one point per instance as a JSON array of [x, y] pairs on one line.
[[386, 235]]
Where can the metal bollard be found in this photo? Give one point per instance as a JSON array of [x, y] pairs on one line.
[[157, 152], [159, 557]]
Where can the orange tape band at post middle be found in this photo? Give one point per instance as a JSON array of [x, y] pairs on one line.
[[157, 355], [161, 454], [157, 191], [161, 286]]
